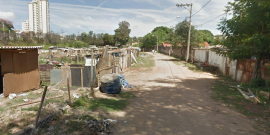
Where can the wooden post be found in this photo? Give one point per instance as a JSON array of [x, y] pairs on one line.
[[105, 53], [92, 73], [40, 106], [77, 59], [70, 79], [109, 64], [69, 92], [82, 77], [113, 64]]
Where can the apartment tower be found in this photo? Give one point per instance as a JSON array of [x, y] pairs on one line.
[[38, 16], [25, 26]]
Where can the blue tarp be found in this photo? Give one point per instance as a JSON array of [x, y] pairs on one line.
[[124, 82]]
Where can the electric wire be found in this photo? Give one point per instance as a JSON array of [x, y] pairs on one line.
[[201, 8], [211, 20]]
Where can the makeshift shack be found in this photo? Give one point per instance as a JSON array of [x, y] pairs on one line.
[[19, 69]]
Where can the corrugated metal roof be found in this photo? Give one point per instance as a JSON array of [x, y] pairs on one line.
[[20, 47]]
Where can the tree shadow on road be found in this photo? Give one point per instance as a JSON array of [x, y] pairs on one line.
[[177, 106]]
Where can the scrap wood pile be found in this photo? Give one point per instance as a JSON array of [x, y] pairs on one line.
[[95, 127], [248, 94]]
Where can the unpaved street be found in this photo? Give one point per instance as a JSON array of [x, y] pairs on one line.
[[170, 99]]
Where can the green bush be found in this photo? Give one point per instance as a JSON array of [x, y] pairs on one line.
[[257, 82], [267, 83], [79, 44]]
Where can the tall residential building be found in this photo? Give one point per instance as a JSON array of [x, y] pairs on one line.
[[25, 26], [39, 17]]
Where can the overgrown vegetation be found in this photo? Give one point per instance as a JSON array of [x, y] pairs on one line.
[[112, 104], [144, 60], [222, 92], [243, 41]]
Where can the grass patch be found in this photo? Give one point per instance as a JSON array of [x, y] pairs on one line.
[[147, 61], [126, 95], [1, 109], [35, 108], [232, 97], [74, 126], [106, 104], [222, 92], [54, 100], [181, 61]]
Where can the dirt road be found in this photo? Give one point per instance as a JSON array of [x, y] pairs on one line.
[[174, 100]]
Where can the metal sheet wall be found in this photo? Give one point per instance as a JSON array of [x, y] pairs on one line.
[[20, 71]]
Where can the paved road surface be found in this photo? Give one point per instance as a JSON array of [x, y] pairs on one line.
[[172, 100]]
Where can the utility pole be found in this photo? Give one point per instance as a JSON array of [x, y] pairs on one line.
[[157, 41], [188, 46]]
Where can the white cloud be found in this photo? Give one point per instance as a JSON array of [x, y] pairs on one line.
[[84, 18], [7, 15]]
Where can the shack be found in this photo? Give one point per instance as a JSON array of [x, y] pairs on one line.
[[19, 69]]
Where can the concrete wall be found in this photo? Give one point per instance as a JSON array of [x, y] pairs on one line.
[[170, 51], [201, 55], [217, 60]]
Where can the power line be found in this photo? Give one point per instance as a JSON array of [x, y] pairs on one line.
[[211, 20], [202, 8]]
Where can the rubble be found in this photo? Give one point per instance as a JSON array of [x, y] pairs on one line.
[[99, 127], [11, 96]]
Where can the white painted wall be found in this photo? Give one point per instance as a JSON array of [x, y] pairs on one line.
[[217, 60], [200, 55]]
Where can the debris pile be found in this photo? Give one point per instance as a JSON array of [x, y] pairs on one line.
[[144, 55], [124, 82], [110, 83], [96, 127]]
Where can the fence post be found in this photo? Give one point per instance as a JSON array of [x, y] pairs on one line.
[[77, 59], [68, 92], [113, 63], [70, 79], [82, 77], [40, 106], [92, 73]]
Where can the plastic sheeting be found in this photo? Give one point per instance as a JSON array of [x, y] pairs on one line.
[[110, 83], [124, 82]]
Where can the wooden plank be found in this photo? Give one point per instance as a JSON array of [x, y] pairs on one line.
[[70, 79]]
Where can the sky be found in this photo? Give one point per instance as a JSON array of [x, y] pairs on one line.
[[103, 16]]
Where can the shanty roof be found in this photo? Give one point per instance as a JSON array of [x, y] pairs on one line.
[[166, 44], [20, 47]]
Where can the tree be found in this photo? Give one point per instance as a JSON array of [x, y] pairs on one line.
[[84, 36], [217, 40], [108, 39], [162, 33], [178, 35], [99, 41], [8, 25], [134, 39], [206, 36], [122, 33], [247, 32], [148, 41]]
